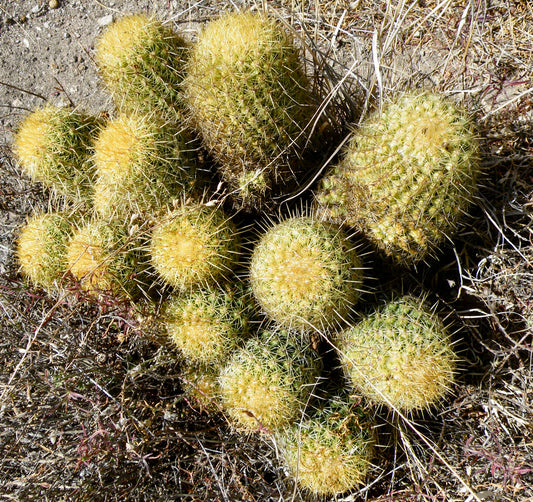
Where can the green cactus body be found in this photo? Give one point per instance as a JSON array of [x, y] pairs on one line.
[[400, 355], [267, 382], [330, 452], [305, 274], [194, 246], [41, 248], [248, 96], [102, 257], [142, 165], [407, 177], [54, 146], [142, 63], [207, 324]]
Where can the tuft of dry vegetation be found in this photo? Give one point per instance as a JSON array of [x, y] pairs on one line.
[[91, 408]]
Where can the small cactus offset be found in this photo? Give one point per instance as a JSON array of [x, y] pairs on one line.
[[407, 177], [306, 274], [103, 258], [248, 96], [142, 165], [54, 146], [329, 452], [400, 355], [41, 248], [200, 382], [207, 324], [142, 63], [194, 246], [267, 382]]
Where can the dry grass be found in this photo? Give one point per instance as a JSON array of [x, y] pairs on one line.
[[92, 410]]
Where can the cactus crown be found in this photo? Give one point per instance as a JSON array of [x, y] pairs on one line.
[[193, 246], [54, 145], [207, 324], [329, 452], [407, 177], [142, 62], [305, 274], [266, 383], [41, 248], [400, 355]]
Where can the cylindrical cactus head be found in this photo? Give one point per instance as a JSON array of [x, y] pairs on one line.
[[194, 246], [330, 451], [248, 96], [306, 274], [400, 355], [266, 383], [407, 177], [101, 257], [142, 63], [41, 248], [54, 145], [142, 165], [208, 323]]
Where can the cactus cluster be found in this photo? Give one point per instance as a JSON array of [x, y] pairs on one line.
[[403, 181]]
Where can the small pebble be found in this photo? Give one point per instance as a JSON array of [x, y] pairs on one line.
[[53, 4], [105, 20]]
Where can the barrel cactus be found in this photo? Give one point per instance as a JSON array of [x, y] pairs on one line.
[[407, 177], [142, 165], [266, 384], [142, 61], [41, 248], [306, 274], [103, 258], [194, 245], [54, 146], [330, 451], [248, 96], [208, 323], [399, 356]]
